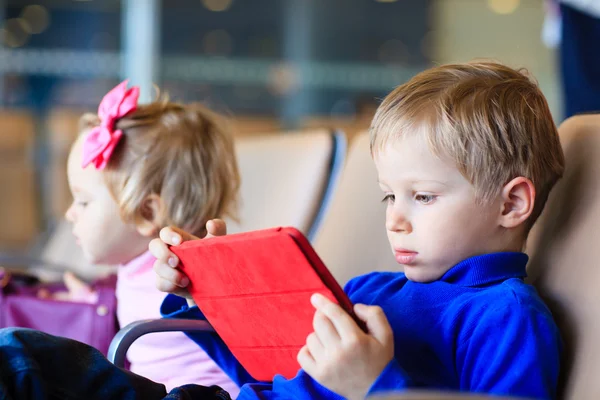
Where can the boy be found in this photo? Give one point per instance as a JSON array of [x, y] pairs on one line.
[[466, 156]]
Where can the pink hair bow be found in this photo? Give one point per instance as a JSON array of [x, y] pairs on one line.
[[100, 143]]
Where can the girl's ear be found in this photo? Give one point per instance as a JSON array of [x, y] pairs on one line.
[[150, 218]]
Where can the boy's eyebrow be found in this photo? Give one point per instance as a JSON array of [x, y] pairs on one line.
[[431, 180], [419, 181]]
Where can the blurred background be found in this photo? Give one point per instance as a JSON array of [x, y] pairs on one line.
[[273, 64]]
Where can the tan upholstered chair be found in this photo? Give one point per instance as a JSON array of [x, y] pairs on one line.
[[352, 127], [565, 256], [247, 125], [19, 208], [352, 239], [287, 178]]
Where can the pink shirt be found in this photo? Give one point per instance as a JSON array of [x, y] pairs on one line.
[[170, 358]]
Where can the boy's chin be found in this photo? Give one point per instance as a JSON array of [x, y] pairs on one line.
[[422, 274]]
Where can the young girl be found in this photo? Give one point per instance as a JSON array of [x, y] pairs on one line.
[[133, 170]]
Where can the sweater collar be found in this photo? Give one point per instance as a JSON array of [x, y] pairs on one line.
[[488, 268]]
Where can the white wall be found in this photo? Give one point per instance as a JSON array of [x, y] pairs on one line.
[[468, 29]]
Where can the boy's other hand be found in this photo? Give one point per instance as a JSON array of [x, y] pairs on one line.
[[339, 355], [168, 277]]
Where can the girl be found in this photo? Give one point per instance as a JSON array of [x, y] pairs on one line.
[[133, 170]]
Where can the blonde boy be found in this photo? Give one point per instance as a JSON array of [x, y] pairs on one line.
[[466, 156]]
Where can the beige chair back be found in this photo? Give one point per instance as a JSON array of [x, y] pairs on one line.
[[19, 208], [285, 178], [565, 256], [245, 125], [352, 239]]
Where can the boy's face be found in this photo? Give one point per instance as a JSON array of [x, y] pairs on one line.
[[433, 220], [97, 225]]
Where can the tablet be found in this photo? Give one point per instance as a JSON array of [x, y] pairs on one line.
[[254, 289]]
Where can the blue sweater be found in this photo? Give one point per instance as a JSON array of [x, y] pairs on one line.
[[479, 328]]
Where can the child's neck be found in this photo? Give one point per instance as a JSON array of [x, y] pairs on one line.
[[508, 241], [137, 250]]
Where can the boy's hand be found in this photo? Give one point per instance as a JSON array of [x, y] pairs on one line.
[[168, 278], [339, 355]]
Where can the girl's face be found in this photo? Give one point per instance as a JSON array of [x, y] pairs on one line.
[[97, 225]]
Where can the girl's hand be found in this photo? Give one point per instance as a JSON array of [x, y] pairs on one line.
[[77, 290]]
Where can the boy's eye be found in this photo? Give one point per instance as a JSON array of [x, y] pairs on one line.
[[81, 203], [389, 198], [425, 198]]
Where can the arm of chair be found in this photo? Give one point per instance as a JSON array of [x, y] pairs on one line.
[[129, 334], [21, 260], [25, 267]]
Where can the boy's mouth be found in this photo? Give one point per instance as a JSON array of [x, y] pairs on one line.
[[405, 257]]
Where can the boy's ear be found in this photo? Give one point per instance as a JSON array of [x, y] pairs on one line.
[[150, 217], [518, 200]]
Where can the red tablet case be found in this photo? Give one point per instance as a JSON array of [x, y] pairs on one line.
[[254, 288]]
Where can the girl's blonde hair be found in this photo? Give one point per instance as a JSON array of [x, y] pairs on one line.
[[182, 153]]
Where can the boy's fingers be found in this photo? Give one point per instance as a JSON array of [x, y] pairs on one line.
[[314, 344], [179, 235], [325, 330], [161, 252], [168, 287], [342, 321], [171, 275], [376, 321], [169, 236], [164, 285], [174, 236], [306, 360], [215, 227]]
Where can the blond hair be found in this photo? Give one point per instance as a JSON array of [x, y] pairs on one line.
[[182, 153], [492, 121]]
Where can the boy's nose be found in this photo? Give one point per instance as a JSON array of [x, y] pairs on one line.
[[396, 221]]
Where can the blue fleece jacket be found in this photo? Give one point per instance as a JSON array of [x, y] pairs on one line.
[[479, 328]]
